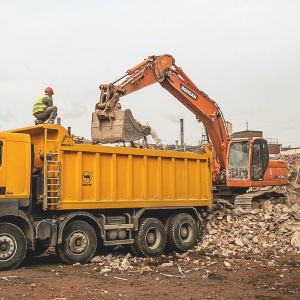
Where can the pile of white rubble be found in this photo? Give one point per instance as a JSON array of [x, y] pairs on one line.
[[272, 229]]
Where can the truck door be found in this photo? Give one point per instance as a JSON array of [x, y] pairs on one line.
[[18, 167], [260, 159], [2, 168]]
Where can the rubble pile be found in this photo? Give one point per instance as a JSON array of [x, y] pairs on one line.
[[273, 229], [117, 262], [80, 139], [292, 191]]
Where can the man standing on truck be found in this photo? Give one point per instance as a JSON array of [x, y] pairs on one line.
[[44, 109]]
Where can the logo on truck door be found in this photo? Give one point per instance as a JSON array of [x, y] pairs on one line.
[[86, 178], [188, 92]]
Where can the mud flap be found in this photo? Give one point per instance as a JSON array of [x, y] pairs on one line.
[[121, 127]]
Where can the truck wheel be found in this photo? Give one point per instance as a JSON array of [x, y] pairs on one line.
[[79, 243], [13, 246], [182, 232], [150, 240]]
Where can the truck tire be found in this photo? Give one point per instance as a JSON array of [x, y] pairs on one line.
[[150, 240], [182, 232], [13, 246], [79, 243]]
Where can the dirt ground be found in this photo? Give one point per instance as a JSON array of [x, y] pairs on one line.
[[193, 276]]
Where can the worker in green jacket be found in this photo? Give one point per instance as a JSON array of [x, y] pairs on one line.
[[44, 109]]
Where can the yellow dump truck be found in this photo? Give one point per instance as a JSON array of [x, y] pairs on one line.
[[77, 197]]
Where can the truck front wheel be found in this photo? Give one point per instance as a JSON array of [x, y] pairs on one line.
[[181, 232], [150, 240], [79, 243], [13, 246]]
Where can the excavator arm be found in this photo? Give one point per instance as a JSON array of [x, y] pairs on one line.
[[162, 69]]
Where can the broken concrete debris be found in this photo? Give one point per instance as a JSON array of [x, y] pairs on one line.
[[295, 240], [251, 231]]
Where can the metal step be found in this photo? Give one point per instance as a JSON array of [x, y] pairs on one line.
[[52, 184]]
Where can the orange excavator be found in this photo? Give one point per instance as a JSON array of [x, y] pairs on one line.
[[237, 165]]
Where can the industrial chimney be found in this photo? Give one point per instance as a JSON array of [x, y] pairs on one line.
[[181, 133]]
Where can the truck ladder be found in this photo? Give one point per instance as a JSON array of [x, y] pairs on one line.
[[52, 186]]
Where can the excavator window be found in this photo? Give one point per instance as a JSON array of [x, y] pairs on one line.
[[238, 160]]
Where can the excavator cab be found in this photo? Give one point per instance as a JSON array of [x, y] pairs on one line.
[[247, 160]]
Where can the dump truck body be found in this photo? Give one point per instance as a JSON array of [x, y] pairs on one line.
[[72, 194]]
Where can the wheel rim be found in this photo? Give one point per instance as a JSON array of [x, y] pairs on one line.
[[153, 238], [8, 246], [185, 232], [78, 242]]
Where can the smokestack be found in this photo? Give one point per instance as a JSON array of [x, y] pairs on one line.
[[181, 133]]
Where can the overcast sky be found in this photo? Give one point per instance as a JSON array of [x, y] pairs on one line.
[[243, 54]]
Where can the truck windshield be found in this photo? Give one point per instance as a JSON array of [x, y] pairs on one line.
[[238, 160]]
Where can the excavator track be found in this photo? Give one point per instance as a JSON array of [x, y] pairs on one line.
[[246, 200]]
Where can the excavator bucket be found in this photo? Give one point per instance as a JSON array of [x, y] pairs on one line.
[[119, 127]]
